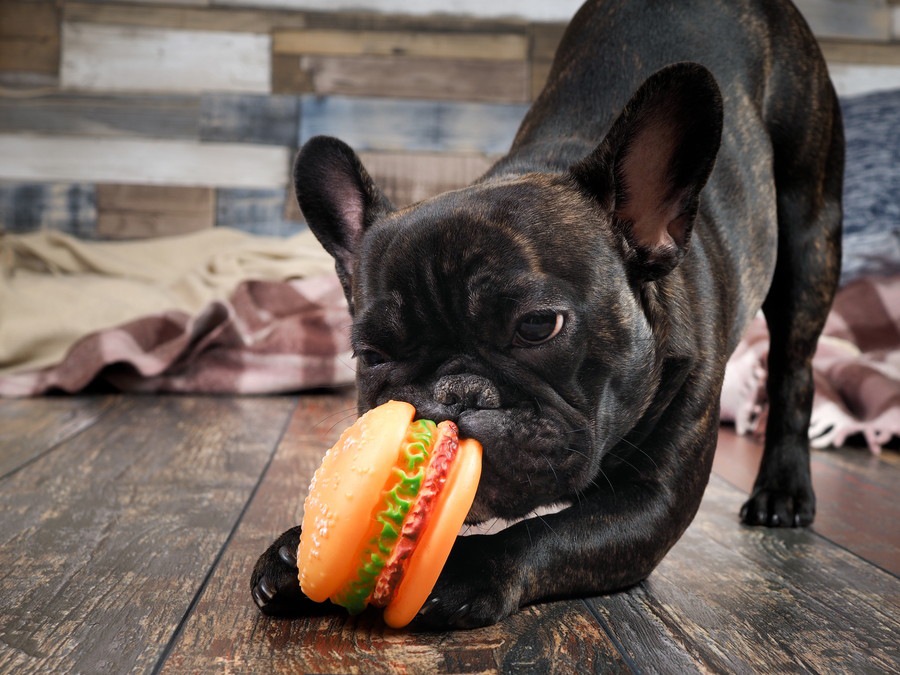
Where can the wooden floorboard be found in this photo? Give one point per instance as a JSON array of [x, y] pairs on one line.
[[558, 637], [856, 494], [733, 599], [106, 540], [29, 429], [131, 524]]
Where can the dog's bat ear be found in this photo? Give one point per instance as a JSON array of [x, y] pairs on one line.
[[649, 170], [339, 200]]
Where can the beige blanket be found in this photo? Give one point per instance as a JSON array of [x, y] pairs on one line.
[[55, 289]]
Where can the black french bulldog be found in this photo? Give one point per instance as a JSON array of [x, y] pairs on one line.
[[574, 308]]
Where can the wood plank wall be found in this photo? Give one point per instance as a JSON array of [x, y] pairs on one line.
[[143, 118]]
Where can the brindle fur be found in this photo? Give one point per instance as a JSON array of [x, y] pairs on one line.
[[619, 413]]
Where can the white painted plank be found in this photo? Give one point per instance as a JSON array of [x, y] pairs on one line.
[[851, 80], [185, 3], [134, 58], [147, 162], [533, 10]]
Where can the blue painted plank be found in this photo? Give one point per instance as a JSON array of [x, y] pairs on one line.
[[248, 118], [28, 207], [404, 125], [255, 211]]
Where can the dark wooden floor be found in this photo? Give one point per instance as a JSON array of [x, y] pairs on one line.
[[130, 525]]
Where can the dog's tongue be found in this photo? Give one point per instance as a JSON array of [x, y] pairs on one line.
[[499, 524]]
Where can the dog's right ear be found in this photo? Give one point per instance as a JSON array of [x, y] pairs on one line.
[[339, 201], [650, 169]]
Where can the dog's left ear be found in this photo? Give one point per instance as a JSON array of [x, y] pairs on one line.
[[339, 200], [649, 170]]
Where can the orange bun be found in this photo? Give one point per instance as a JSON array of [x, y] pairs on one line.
[[383, 511]]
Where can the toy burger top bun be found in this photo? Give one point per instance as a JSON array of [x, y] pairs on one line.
[[383, 511]]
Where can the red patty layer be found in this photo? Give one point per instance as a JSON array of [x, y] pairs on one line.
[[442, 456]]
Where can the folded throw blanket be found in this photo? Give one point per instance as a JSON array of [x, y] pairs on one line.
[[856, 369], [214, 311]]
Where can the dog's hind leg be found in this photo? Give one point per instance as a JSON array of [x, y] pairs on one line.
[[808, 180]]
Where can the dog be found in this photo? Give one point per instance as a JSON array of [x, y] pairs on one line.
[[575, 307]]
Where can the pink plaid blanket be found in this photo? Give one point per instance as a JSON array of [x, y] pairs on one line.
[[269, 336], [218, 311], [856, 370]]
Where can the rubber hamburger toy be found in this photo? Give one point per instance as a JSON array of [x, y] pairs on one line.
[[383, 511]]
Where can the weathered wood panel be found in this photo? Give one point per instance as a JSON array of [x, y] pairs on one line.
[[129, 58], [407, 178], [151, 162], [435, 22], [30, 428], [551, 638], [193, 3], [410, 177], [859, 19], [190, 18], [852, 80], [239, 118], [840, 51], [412, 125], [434, 44], [288, 77], [27, 207], [140, 211], [740, 600], [250, 118], [29, 37], [545, 39], [116, 531], [258, 211], [141, 116], [408, 77], [535, 10]]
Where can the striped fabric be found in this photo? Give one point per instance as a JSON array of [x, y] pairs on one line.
[[856, 370]]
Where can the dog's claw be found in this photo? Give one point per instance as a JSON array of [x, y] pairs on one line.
[[274, 585], [288, 555], [262, 593], [772, 508]]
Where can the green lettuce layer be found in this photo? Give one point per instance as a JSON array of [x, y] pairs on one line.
[[409, 474]]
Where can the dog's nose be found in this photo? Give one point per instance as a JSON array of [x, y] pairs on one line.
[[466, 392]]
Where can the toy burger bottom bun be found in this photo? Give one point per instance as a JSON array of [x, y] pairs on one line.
[[383, 511]]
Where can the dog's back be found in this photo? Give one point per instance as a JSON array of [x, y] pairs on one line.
[[781, 118]]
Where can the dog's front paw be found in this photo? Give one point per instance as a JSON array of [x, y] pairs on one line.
[[780, 506], [474, 589], [274, 585]]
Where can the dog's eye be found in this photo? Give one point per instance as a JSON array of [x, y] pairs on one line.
[[537, 328], [371, 357]]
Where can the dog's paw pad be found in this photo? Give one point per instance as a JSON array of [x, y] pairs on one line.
[[772, 508]]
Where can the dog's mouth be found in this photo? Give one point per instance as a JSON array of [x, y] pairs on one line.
[[495, 525]]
